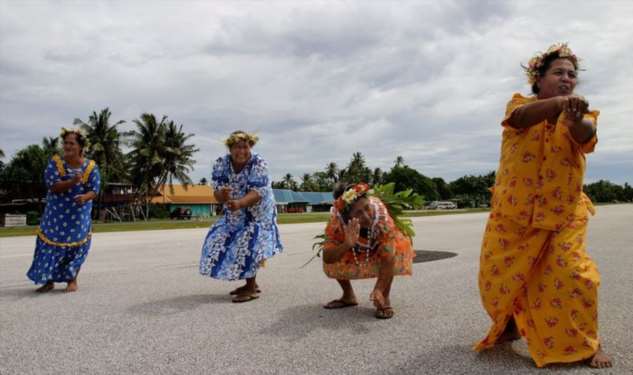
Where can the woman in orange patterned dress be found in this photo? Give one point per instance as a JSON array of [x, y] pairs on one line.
[[536, 279], [363, 242]]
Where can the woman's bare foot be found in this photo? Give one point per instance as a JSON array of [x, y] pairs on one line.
[[511, 333], [600, 360], [72, 286], [378, 299], [46, 287]]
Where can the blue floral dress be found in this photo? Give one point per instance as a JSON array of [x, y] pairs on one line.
[[63, 238], [241, 240]]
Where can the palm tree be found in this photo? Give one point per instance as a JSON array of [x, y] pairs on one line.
[[104, 143], [1, 153], [289, 182], [377, 176], [104, 147], [50, 145], [308, 183], [146, 157], [357, 169], [399, 161], [177, 156], [331, 170]]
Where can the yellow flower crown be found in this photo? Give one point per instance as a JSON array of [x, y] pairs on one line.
[[536, 62], [241, 136]]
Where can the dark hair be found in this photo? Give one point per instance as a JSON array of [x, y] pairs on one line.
[[81, 140], [547, 62], [339, 189]]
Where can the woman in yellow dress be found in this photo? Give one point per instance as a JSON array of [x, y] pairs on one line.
[[536, 279]]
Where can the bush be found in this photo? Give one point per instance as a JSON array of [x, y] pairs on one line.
[[32, 218], [158, 211]]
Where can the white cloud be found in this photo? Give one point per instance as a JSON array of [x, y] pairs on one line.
[[318, 80]]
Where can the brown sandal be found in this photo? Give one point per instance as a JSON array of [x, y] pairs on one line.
[[384, 313], [239, 290], [245, 297], [339, 304]]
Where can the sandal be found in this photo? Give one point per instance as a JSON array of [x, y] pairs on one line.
[[384, 313], [245, 298], [239, 290], [339, 304]]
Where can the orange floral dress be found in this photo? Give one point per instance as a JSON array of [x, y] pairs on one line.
[[534, 266], [389, 241]]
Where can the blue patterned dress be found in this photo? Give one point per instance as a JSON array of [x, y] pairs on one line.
[[240, 240], [63, 238]]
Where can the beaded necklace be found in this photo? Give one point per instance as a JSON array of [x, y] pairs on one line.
[[370, 237]]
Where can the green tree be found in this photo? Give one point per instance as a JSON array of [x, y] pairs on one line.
[[146, 157], [105, 142], [51, 146], [308, 183], [405, 177], [177, 156], [289, 182], [473, 191], [377, 176], [442, 188], [357, 170], [627, 193], [203, 181], [332, 172], [604, 191], [23, 176]]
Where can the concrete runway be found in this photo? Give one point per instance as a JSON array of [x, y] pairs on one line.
[[143, 308]]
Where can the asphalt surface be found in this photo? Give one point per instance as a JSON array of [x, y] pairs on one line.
[[142, 308]]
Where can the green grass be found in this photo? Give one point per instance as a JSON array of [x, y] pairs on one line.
[[312, 217]]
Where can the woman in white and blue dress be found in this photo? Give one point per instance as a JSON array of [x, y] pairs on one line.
[[247, 233], [64, 236]]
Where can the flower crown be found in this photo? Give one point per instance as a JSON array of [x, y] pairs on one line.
[[536, 62], [239, 136], [351, 195], [82, 133]]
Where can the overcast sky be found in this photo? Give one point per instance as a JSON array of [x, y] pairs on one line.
[[316, 81]]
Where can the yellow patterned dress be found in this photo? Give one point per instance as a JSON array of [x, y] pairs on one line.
[[534, 265]]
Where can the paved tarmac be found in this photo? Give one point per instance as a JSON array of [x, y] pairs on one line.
[[142, 308]]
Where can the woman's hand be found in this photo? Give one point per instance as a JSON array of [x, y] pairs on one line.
[[225, 194], [76, 178], [80, 199], [574, 107], [352, 232], [234, 204]]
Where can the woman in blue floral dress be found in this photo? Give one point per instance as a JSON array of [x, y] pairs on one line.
[[64, 235], [247, 233]]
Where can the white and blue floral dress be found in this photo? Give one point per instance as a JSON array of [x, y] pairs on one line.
[[241, 240], [64, 236]]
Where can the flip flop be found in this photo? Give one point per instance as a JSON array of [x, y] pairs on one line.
[[236, 291], [384, 313], [339, 304], [245, 298]]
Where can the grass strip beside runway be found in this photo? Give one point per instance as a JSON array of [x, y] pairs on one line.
[[312, 217]]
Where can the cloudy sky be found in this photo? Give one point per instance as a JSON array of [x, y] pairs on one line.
[[316, 81]]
